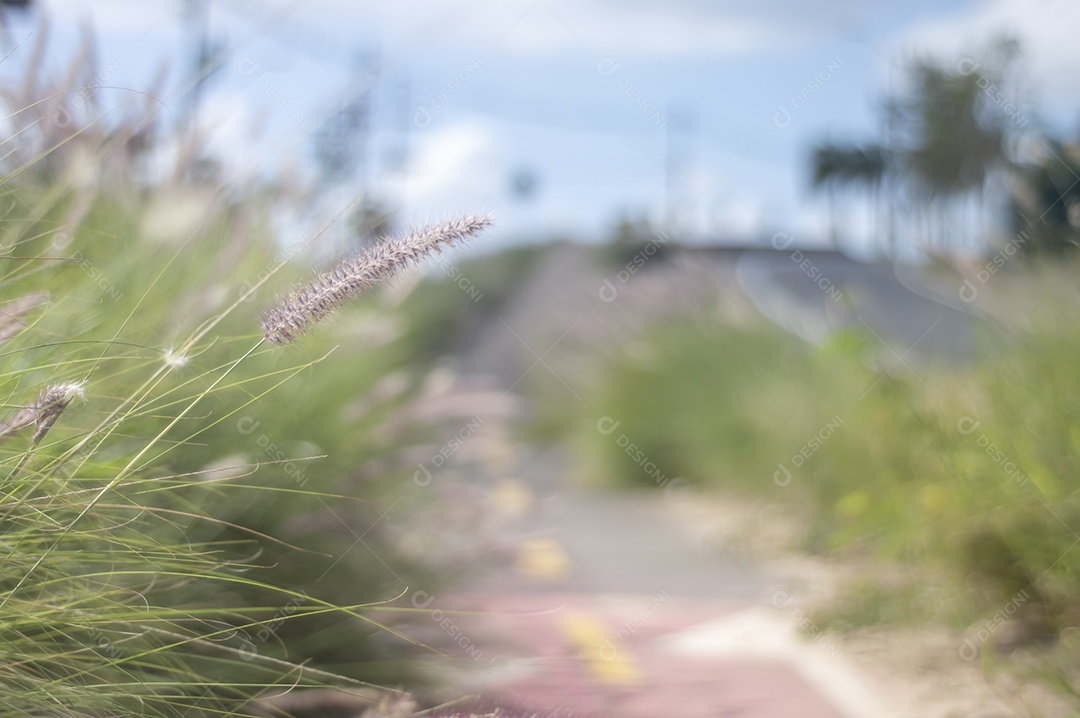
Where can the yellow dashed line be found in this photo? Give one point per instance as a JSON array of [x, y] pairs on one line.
[[543, 559], [513, 498], [606, 658]]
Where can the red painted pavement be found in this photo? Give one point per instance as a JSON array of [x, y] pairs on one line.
[[529, 662]]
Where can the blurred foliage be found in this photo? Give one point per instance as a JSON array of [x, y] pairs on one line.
[[630, 236], [679, 410], [1045, 201], [835, 166], [951, 128], [973, 468], [458, 300], [951, 136]]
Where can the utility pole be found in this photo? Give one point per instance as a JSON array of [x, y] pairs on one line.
[[197, 15]]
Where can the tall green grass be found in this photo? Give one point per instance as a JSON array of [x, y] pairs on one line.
[[199, 518], [175, 540], [197, 505]]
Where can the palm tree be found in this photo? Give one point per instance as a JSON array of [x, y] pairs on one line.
[[834, 166], [1045, 201], [954, 136]]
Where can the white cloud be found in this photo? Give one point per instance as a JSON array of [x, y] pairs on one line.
[[458, 164]]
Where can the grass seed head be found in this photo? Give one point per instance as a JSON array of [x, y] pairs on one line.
[[43, 412], [303, 308]]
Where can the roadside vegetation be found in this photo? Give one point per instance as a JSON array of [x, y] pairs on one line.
[[200, 467]]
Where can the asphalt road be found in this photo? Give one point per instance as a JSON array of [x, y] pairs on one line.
[[815, 293]]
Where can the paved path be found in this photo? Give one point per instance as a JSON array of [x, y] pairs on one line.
[[615, 604], [612, 605], [636, 656]]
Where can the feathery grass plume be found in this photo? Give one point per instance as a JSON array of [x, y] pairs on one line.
[[44, 412], [301, 309]]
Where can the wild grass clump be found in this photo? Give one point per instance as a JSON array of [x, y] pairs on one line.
[[190, 514], [166, 524]]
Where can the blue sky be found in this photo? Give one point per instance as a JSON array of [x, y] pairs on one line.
[[588, 96]]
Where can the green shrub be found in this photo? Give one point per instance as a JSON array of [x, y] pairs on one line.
[[973, 466]]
